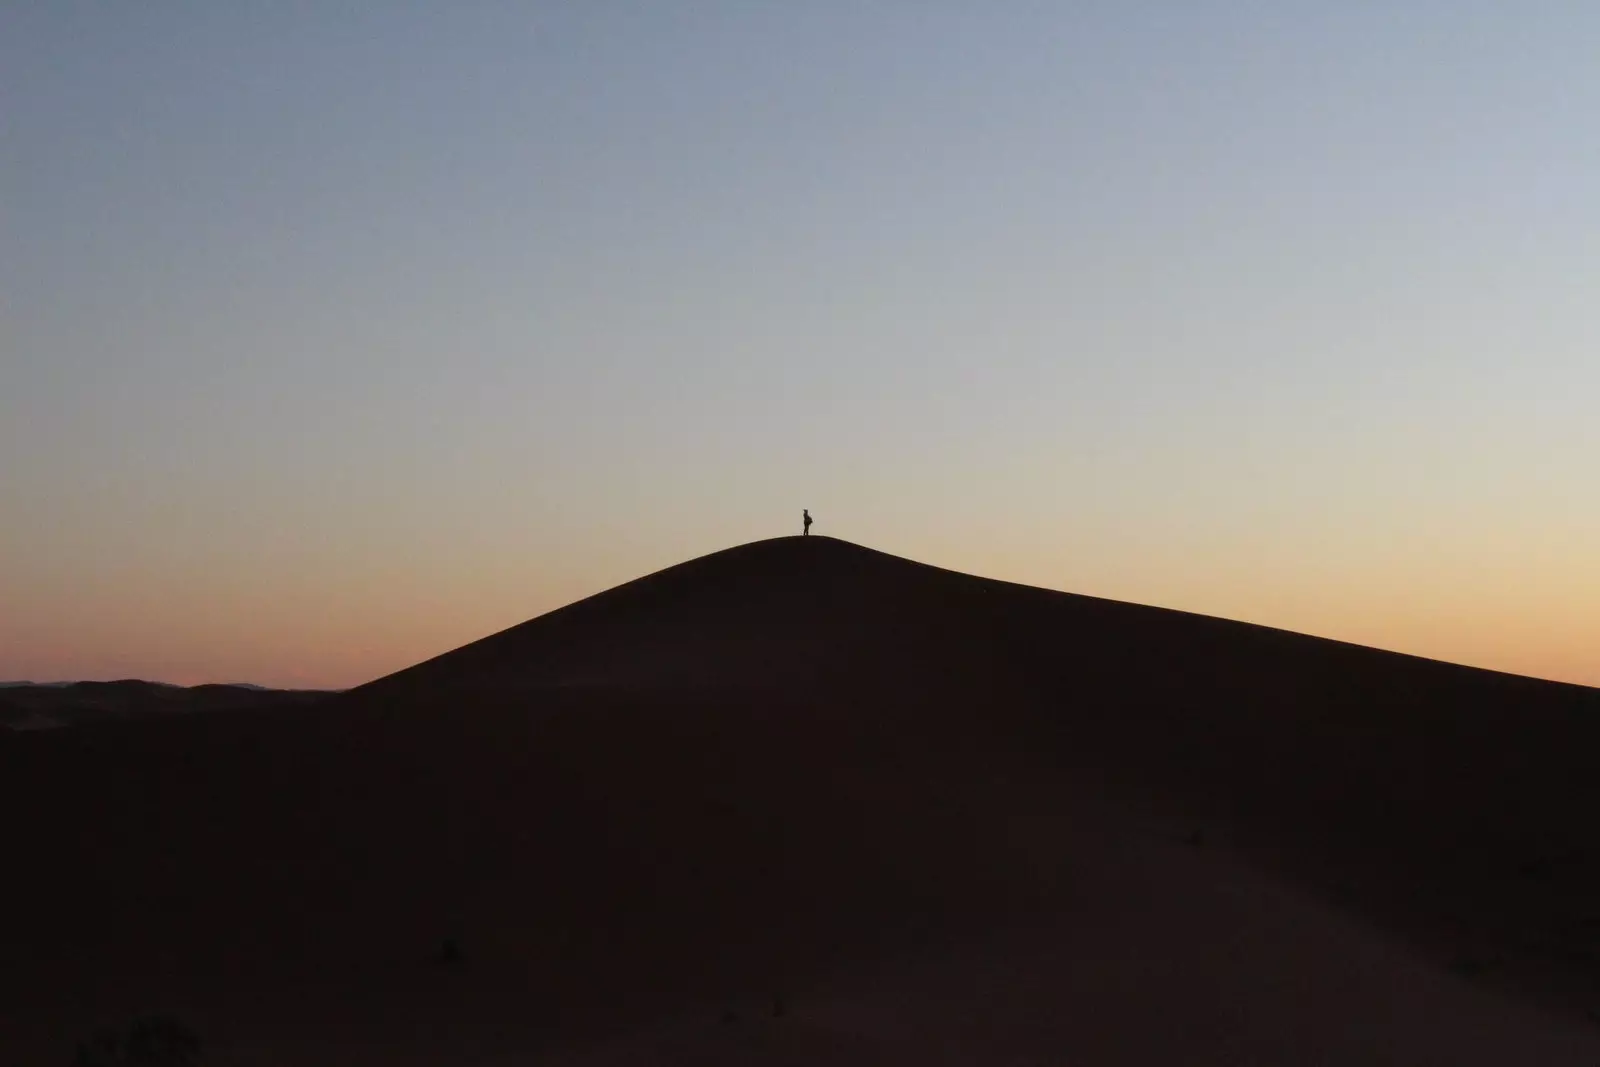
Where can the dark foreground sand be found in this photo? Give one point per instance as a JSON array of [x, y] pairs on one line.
[[803, 803]]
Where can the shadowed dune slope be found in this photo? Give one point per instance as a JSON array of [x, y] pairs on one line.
[[804, 773]]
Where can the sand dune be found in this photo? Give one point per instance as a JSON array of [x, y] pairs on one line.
[[802, 802]]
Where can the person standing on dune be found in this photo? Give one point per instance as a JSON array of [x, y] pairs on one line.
[[805, 522]]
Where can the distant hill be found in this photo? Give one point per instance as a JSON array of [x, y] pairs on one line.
[[26, 706], [802, 802]]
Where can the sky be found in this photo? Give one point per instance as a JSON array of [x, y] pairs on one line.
[[334, 336]]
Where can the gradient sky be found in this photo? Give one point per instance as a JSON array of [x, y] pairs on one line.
[[333, 336]]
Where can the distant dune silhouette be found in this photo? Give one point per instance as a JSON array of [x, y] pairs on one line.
[[802, 802], [27, 706]]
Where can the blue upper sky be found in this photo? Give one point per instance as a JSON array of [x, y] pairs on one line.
[[332, 336]]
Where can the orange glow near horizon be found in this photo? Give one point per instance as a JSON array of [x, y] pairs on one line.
[[317, 633]]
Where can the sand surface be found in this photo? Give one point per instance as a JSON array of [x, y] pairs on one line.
[[804, 803]]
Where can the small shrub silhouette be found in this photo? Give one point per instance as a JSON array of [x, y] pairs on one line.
[[149, 1041]]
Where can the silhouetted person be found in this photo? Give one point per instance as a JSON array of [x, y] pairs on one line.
[[805, 522]]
